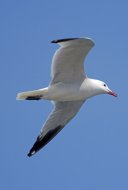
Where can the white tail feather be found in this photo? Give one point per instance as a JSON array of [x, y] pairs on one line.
[[35, 93]]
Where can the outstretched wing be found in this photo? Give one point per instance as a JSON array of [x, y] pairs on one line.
[[60, 116], [67, 63]]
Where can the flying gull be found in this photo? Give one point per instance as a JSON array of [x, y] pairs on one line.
[[69, 88]]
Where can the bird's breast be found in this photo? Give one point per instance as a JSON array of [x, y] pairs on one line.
[[65, 92]]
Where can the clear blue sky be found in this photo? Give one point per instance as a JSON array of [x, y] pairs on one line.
[[92, 151]]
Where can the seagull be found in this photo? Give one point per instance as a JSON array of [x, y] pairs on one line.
[[69, 88]]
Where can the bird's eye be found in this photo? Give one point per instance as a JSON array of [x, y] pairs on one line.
[[104, 85]]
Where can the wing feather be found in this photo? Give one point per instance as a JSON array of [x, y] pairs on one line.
[[67, 63], [60, 116]]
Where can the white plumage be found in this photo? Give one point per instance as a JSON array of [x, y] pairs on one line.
[[69, 87]]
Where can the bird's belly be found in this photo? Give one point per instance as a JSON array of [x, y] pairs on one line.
[[64, 92]]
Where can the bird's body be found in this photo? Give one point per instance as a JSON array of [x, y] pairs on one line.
[[69, 88], [68, 91]]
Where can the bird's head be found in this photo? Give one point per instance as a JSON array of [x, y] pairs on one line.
[[101, 87]]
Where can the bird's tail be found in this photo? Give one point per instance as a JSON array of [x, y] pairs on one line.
[[32, 95]]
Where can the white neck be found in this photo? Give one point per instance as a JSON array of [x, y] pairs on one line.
[[91, 87]]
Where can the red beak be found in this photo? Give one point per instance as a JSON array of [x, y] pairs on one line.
[[112, 93]]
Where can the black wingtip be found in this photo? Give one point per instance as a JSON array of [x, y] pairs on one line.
[[41, 142], [38, 97], [31, 152], [63, 40]]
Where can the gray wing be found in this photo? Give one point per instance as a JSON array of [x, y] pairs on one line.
[[67, 63], [60, 116]]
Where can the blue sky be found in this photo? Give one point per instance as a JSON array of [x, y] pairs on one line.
[[91, 152]]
